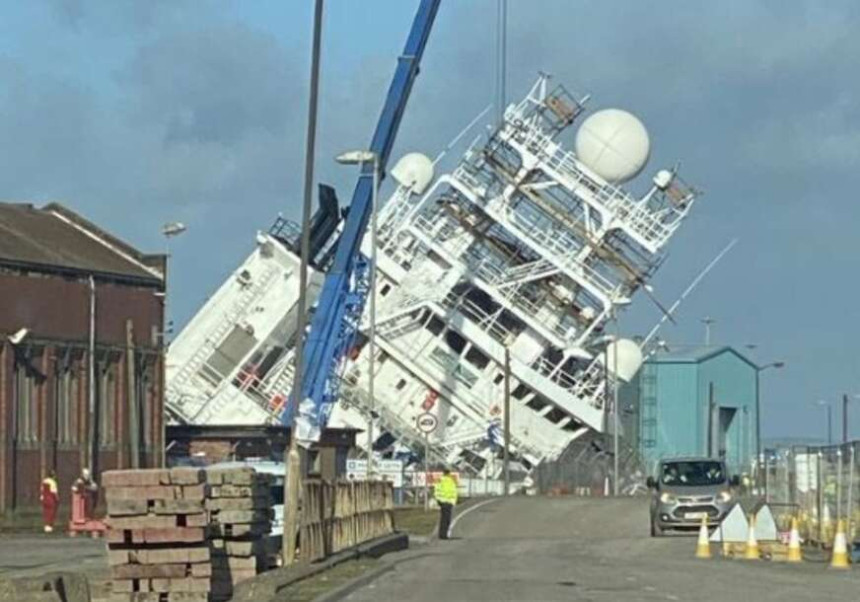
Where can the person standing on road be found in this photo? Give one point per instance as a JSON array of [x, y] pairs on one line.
[[49, 496], [85, 495], [445, 493]]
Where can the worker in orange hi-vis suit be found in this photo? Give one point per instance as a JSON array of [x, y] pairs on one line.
[[49, 496]]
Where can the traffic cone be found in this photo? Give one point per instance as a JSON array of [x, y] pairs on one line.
[[839, 560], [703, 547], [751, 551], [794, 554]]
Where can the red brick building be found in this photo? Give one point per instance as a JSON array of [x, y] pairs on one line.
[[81, 355]]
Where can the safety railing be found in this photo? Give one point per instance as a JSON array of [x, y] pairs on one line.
[[820, 485]]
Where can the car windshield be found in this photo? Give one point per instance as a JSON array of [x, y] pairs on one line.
[[694, 474]]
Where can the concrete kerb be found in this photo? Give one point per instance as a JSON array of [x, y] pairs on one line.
[[267, 585]]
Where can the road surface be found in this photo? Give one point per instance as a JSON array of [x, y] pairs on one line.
[[587, 549], [34, 555]]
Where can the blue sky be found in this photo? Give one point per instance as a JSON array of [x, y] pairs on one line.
[[136, 113]]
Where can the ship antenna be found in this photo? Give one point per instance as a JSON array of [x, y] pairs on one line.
[[687, 291]]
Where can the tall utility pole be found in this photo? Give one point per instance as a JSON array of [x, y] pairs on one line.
[[845, 418], [507, 457], [292, 491], [711, 404], [615, 446]]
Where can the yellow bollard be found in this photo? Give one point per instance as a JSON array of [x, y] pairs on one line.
[[751, 551], [794, 552], [703, 546], [839, 560]]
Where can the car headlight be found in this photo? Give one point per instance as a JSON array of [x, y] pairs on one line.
[[666, 497], [724, 497]]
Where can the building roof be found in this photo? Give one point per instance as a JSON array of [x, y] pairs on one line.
[[54, 238], [696, 355]]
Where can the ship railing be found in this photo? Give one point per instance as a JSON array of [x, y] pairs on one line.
[[637, 217], [551, 371], [468, 180], [565, 252], [478, 315], [437, 229], [574, 386]]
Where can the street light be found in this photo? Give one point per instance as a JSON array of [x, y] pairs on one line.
[[362, 157], [758, 371], [826, 404], [845, 399], [170, 230]]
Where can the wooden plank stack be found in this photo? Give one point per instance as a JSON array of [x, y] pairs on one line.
[[157, 534], [337, 516], [185, 533], [240, 515]]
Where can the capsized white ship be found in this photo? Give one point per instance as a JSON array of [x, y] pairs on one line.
[[526, 245]]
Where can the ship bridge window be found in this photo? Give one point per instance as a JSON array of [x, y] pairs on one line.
[[537, 403], [435, 325], [400, 385], [385, 290], [499, 378], [455, 341], [555, 415], [520, 391], [476, 358], [452, 366]]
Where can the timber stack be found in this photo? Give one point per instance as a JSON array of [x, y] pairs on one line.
[[185, 533], [240, 519]]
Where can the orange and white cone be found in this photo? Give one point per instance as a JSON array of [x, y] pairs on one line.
[[751, 550], [839, 560], [794, 553], [703, 547]]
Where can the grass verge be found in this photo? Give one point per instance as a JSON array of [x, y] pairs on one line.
[[308, 589]]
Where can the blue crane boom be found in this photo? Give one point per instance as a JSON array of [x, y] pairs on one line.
[[341, 301]]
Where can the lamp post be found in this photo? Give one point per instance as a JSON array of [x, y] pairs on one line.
[[170, 230], [758, 371], [829, 408], [362, 157], [845, 399]]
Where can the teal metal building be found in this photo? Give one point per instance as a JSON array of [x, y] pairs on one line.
[[694, 402]]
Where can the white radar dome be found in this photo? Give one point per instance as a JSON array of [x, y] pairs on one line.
[[414, 169], [629, 358], [614, 144]]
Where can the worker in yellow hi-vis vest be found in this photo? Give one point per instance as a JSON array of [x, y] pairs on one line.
[[445, 493]]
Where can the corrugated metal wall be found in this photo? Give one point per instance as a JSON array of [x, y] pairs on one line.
[[674, 408]]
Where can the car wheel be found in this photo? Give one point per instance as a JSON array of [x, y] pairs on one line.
[[656, 531]]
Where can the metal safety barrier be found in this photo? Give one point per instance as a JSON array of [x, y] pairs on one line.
[[820, 484]]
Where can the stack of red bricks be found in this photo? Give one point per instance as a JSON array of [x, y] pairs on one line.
[[184, 533], [240, 515], [157, 534]]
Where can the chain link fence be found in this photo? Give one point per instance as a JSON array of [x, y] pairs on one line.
[[586, 468], [819, 485]]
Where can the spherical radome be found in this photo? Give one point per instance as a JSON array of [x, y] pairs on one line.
[[614, 144], [414, 169], [629, 358]]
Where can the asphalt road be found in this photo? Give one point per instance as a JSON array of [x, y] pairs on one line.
[[587, 549], [34, 555]]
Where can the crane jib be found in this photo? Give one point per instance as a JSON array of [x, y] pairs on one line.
[[345, 287]]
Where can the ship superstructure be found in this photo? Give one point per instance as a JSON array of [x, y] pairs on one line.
[[525, 247]]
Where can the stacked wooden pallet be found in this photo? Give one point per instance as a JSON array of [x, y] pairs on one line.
[[157, 534], [240, 514]]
